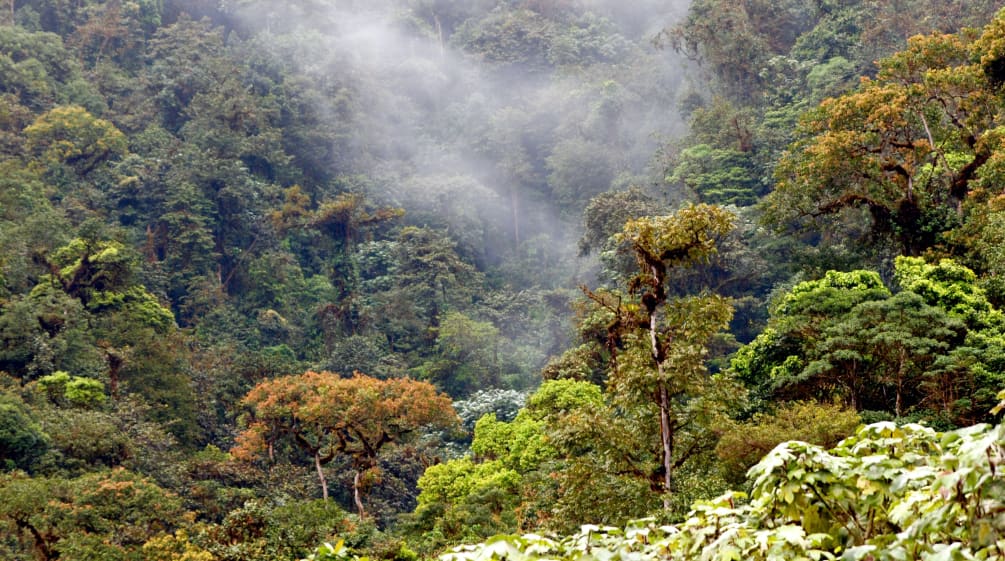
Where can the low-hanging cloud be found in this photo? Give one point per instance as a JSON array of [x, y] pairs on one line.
[[486, 147]]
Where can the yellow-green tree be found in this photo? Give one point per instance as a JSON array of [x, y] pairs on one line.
[[659, 340], [70, 135]]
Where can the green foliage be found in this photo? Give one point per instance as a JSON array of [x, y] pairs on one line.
[[743, 444], [46, 331], [528, 39], [521, 445], [718, 176], [107, 514], [605, 215], [22, 440], [949, 286], [461, 500], [579, 171], [887, 492], [505, 483], [85, 439], [556, 397], [664, 339], [37, 68], [459, 204], [69, 135], [846, 335], [102, 276], [73, 390], [263, 531], [174, 547], [389, 550], [467, 355]]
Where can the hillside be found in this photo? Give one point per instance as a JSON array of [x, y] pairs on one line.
[[411, 273]]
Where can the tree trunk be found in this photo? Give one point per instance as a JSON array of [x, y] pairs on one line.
[[41, 546], [115, 362], [321, 476], [901, 372], [439, 35], [356, 497], [667, 440]]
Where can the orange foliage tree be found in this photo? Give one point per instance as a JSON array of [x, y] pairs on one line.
[[329, 416]]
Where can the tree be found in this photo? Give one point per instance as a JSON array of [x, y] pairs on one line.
[[116, 30], [891, 343], [186, 58], [743, 444], [467, 355], [108, 515], [908, 147], [22, 440], [70, 135], [101, 274], [929, 350], [125, 324], [607, 213], [266, 530], [608, 457], [460, 205], [429, 279], [735, 39], [658, 341], [77, 391], [951, 287], [717, 175], [578, 171], [464, 500], [778, 355], [512, 476], [40, 70], [328, 416]]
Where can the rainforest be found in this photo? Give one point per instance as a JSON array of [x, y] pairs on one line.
[[476, 280]]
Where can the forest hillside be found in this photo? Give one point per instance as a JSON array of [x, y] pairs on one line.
[[399, 275]]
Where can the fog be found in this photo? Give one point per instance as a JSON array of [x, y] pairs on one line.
[[496, 130]]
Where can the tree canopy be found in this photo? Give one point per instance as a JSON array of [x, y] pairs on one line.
[[634, 245]]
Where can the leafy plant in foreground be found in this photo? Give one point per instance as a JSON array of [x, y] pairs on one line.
[[886, 493]]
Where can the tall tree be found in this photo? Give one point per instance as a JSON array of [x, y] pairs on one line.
[[659, 341]]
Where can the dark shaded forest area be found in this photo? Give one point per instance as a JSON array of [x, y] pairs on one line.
[[398, 275]]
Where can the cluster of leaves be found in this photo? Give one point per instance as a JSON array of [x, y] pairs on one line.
[[888, 492], [928, 350]]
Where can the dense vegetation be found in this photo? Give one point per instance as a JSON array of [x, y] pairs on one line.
[[398, 275]]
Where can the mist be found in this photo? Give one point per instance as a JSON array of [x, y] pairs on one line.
[[499, 144]]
